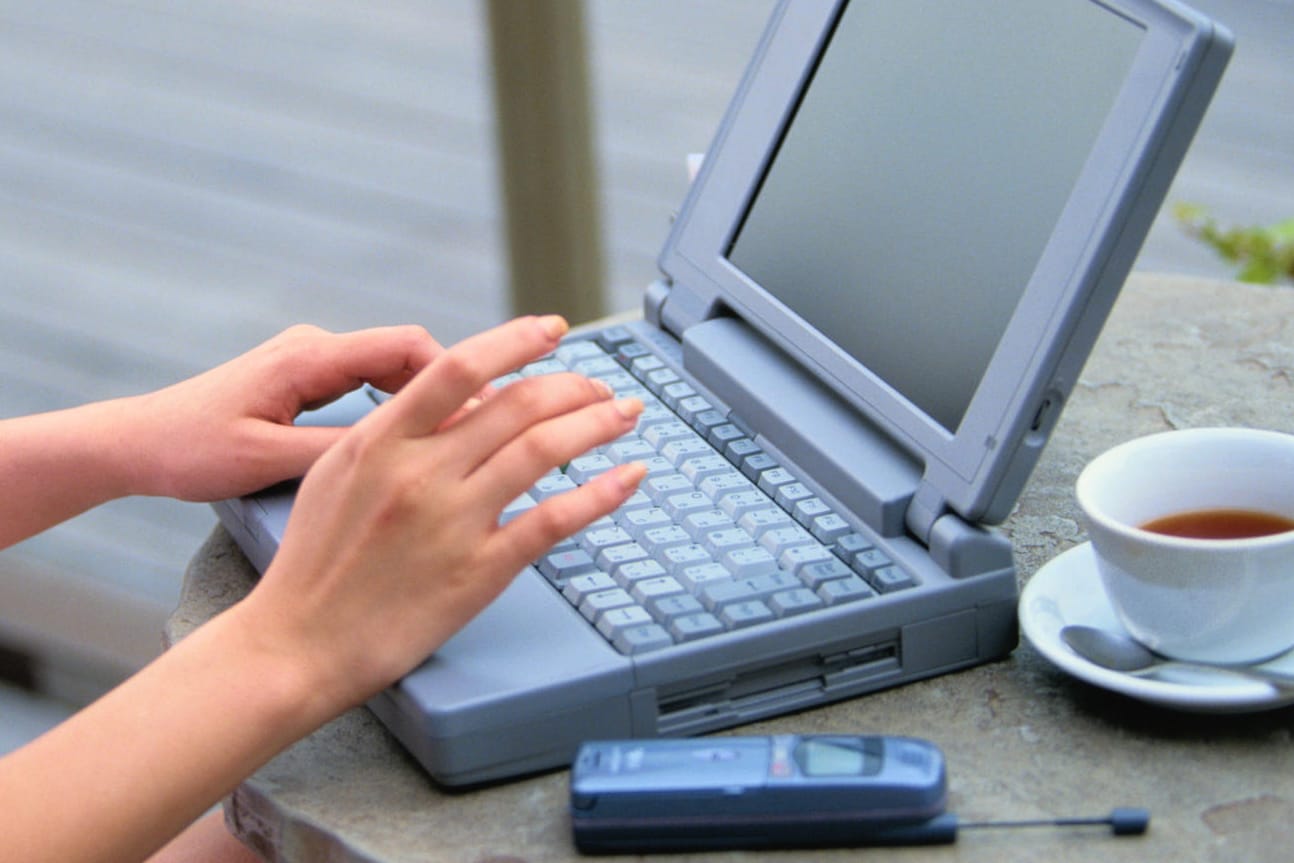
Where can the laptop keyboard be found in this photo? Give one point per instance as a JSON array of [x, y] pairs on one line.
[[719, 536]]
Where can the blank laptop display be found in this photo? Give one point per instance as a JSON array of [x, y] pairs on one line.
[[879, 292]]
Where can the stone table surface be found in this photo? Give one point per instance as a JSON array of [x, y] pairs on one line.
[[1022, 739]]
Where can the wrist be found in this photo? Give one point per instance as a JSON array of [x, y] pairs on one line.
[[294, 680]]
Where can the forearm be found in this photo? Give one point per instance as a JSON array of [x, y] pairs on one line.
[[57, 465], [122, 777]]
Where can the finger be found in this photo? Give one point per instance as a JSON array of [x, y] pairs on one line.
[[517, 408], [296, 449], [464, 370], [386, 357], [533, 532], [515, 467]]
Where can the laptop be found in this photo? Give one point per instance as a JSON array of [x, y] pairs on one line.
[[873, 304]]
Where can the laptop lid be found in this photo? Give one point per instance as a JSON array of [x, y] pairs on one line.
[[931, 206]]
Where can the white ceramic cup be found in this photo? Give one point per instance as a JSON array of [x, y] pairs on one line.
[[1207, 600]]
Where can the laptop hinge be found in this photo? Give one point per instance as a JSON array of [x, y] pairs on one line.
[[957, 547], [925, 508], [654, 300], [674, 309]]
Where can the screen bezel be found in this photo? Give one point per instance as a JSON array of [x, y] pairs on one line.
[[968, 463]]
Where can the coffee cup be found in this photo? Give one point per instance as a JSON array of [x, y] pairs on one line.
[[1193, 534]]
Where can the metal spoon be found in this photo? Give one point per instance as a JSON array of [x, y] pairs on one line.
[[1120, 652]]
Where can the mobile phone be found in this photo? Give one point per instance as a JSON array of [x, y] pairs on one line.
[[785, 791]]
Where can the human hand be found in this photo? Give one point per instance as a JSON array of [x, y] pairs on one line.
[[394, 540], [229, 431]]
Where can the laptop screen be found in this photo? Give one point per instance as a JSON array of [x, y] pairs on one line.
[[909, 199]]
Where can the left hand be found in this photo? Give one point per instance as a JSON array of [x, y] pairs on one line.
[[229, 431]]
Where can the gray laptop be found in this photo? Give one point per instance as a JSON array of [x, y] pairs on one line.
[[881, 288]]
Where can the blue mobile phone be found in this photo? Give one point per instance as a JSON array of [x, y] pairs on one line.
[[786, 791]]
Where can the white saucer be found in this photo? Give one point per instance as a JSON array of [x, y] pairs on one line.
[[1068, 590]]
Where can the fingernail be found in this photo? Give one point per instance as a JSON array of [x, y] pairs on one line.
[[629, 408], [628, 476], [554, 325], [603, 387]]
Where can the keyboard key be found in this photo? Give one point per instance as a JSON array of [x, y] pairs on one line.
[[629, 351], [790, 535], [844, 590], [888, 579], [680, 450], [702, 467], [797, 601], [745, 614], [869, 560], [581, 586], [658, 539], [702, 522], [681, 556], [640, 639], [579, 349], [561, 565], [749, 562], [755, 465], [519, 505], [850, 544], [720, 542], [644, 365], [594, 604], [829, 528], [790, 494], [807, 510], [720, 485], [689, 407], [639, 521], [614, 621], [721, 435], [815, 574], [609, 559], [681, 505], [553, 484], [629, 574], [739, 503], [662, 433], [771, 480], [692, 626], [707, 420], [739, 449], [670, 606], [648, 589], [758, 522], [634, 449], [794, 559], [695, 575], [658, 378], [637, 500], [611, 338], [596, 539], [586, 467], [673, 393], [662, 486]]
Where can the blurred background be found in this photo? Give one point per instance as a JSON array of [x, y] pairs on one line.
[[179, 181]]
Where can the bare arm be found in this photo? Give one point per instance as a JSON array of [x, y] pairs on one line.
[[418, 487]]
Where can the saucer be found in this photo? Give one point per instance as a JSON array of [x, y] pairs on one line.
[[1068, 590]]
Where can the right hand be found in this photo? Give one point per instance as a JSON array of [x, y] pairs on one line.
[[394, 541]]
